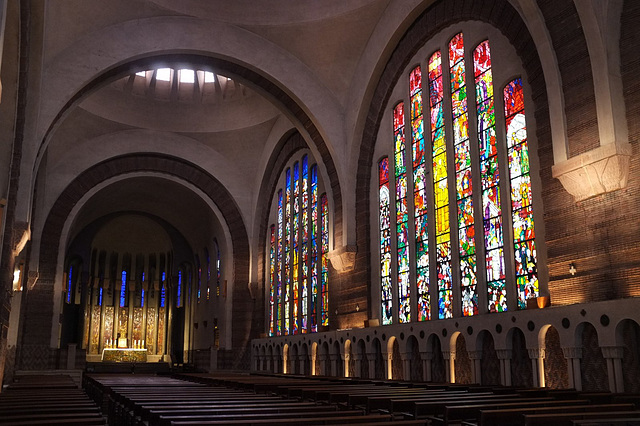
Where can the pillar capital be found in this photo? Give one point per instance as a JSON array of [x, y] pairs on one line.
[[536, 353], [426, 355], [572, 352], [612, 352], [504, 353], [475, 354], [449, 355]]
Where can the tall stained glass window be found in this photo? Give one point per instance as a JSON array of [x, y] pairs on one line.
[[123, 290], [521, 198], [385, 242], [473, 228], [314, 248], [491, 207], [287, 253], [279, 264], [298, 248], [304, 243], [464, 187], [420, 196], [218, 267], [179, 290], [402, 217], [69, 284], [324, 277], [199, 278], [272, 281], [440, 188], [206, 254]]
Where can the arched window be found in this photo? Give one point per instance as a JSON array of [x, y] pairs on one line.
[[206, 255], [474, 211], [298, 247], [198, 278], [218, 266]]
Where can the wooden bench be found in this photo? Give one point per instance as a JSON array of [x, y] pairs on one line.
[[561, 419], [511, 416]]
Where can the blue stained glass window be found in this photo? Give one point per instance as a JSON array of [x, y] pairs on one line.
[[69, 284], [179, 296], [123, 289]]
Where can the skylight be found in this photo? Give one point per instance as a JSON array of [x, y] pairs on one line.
[[187, 76], [163, 74], [208, 77], [141, 74]]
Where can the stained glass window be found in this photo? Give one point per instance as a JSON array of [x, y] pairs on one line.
[[123, 289], [440, 187], [464, 186], [296, 247], [206, 254], [163, 291], [385, 242], [199, 272], [521, 198], [304, 237], [420, 201], [179, 290], [298, 254], [314, 248], [491, 206], [402, 216], [324, 277], [279, 263], [100, 297], [272, 281], [218, 267], [287, 254], [70, 284]]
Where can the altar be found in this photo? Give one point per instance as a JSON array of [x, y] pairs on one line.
[[124, 355]]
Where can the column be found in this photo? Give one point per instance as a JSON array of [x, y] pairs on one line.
[[322, 360], [406, 365], [334, 364], [276, 363], [357, 360], [314, 357], [613, 355], [426, 357], [476, 357], [346, 359], [573, 355], [450, 365], [504, 355], [371, 357], [537, 366], [389, 365], [302, 359]]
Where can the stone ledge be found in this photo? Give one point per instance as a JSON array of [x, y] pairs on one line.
[[601, 170], [343, 259]]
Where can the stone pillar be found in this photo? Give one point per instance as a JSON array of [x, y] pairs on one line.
[[71, 356], [213, 358], [389, 365], [322, 360], [476, 357], [613, 355], [537, 366], [426, 357], [276, 363], [357, 360], [406, 365], [334, 364], [314, 357], [346, 359], [450, 365], [504, 355], [573, 356], [371, 356], [302, 359]]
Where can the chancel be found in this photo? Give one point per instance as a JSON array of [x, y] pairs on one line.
[[429, 191]]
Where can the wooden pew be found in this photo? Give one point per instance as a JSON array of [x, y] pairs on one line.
[[561, 419]]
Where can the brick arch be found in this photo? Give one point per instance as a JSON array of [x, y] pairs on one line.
[[37, 324], [253, 78], [498, 13]]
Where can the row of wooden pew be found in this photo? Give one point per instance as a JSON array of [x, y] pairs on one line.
[[161, 400], [446, 404], [47, 400]]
